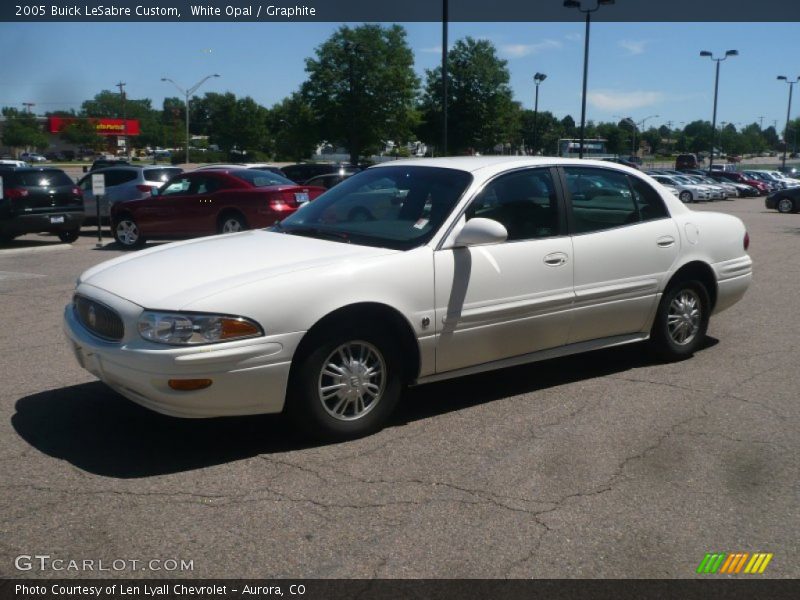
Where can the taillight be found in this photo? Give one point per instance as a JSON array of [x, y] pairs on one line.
[[282, 201], [746, 240], [144, 188], [76, 191], [14, 193]]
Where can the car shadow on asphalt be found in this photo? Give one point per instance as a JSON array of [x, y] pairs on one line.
[[98, 431]]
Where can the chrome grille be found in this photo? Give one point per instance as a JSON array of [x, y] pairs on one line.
[[99, 319]]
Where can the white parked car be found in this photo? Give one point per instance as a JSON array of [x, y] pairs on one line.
[[406, 273], [688, 191]]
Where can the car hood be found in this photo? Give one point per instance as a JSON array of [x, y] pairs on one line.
[[173, 276]]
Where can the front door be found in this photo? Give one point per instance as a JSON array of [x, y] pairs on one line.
[[503, 300]]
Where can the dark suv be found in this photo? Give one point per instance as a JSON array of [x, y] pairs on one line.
[[39, 199]]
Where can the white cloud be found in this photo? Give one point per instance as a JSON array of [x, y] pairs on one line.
[[611, 100], [432, 50], [520, 50], [573, 37], [633, 47]]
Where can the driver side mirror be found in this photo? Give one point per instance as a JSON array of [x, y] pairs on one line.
[[478, 232]]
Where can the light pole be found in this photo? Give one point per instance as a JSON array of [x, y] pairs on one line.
[[642, 122], [716, 90], [537, 79], [788, 115], [187, 95], [445, 17], [588, 12]]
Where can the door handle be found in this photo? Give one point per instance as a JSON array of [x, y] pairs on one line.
[[665, 242], [556, 259]]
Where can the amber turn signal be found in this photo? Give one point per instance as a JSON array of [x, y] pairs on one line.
[[188, 385], [236, 328]]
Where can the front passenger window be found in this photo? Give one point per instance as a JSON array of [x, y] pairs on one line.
[[525, 202]]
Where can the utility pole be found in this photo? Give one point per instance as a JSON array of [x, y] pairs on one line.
[[761, 123], [28, 106], [121, 85]]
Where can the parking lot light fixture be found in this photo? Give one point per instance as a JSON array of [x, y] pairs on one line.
[[706, 53], [788, 116], [187, 96], [588, 12], [537, 79]]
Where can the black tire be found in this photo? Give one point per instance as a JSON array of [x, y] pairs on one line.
[[665, 339], [305, 404], [6, 239], [126, 233], [685, 197], [231, 223], [785, 205], [69, 235]]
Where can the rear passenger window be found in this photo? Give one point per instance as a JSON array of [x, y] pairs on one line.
[[648, 201], [524, 202], [118, 177], [601, 199]]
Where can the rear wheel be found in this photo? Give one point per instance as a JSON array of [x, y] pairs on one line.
[[685, 197], [785, 205], [682, 320], [231, 223], [347, 385], [127, 234], [69, 236]]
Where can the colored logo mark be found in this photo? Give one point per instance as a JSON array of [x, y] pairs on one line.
[[735, 562]]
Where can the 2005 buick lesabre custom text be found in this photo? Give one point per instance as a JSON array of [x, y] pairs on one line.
[[408, 272]]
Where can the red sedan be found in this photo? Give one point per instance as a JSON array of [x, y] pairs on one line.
[[207, 202]]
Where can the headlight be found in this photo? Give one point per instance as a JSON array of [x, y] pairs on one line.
[[187, 329]]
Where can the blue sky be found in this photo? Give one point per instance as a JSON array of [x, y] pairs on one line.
[[635, 69]]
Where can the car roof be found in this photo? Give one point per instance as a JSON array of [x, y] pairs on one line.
[[473, 164]]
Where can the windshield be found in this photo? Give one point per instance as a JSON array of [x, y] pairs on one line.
[[391, 207]]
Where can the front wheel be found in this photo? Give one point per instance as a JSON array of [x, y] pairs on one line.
[[785, 206], [69, 236], [346, 386], [682, 320], [127, 234]]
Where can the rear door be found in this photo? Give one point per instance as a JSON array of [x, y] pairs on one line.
[[624, 242]]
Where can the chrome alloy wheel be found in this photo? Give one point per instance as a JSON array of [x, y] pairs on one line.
[[785, 205], [683, 318], [352, 380], [127, 232], [231, 225]]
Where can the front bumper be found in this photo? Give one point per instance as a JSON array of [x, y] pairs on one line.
[[249, 376]]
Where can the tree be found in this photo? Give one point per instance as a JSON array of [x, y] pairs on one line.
[[108, 104], [234, 124], [361, 86], [82, 133], [479, 99], [21, 130], [295, 132]]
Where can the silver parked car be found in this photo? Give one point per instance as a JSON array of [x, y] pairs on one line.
[[123, 183]]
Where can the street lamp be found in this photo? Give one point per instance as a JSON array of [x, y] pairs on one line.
[[716, 90], [537, 79], [187, 95], [639, 125], [588, 13], [788, 114]]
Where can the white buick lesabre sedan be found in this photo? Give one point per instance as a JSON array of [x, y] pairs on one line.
[[406, 273]]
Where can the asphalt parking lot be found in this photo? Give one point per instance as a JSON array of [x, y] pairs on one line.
[[601, 465]]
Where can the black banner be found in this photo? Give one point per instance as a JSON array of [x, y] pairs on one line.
[[396, 11], [403, 589]]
